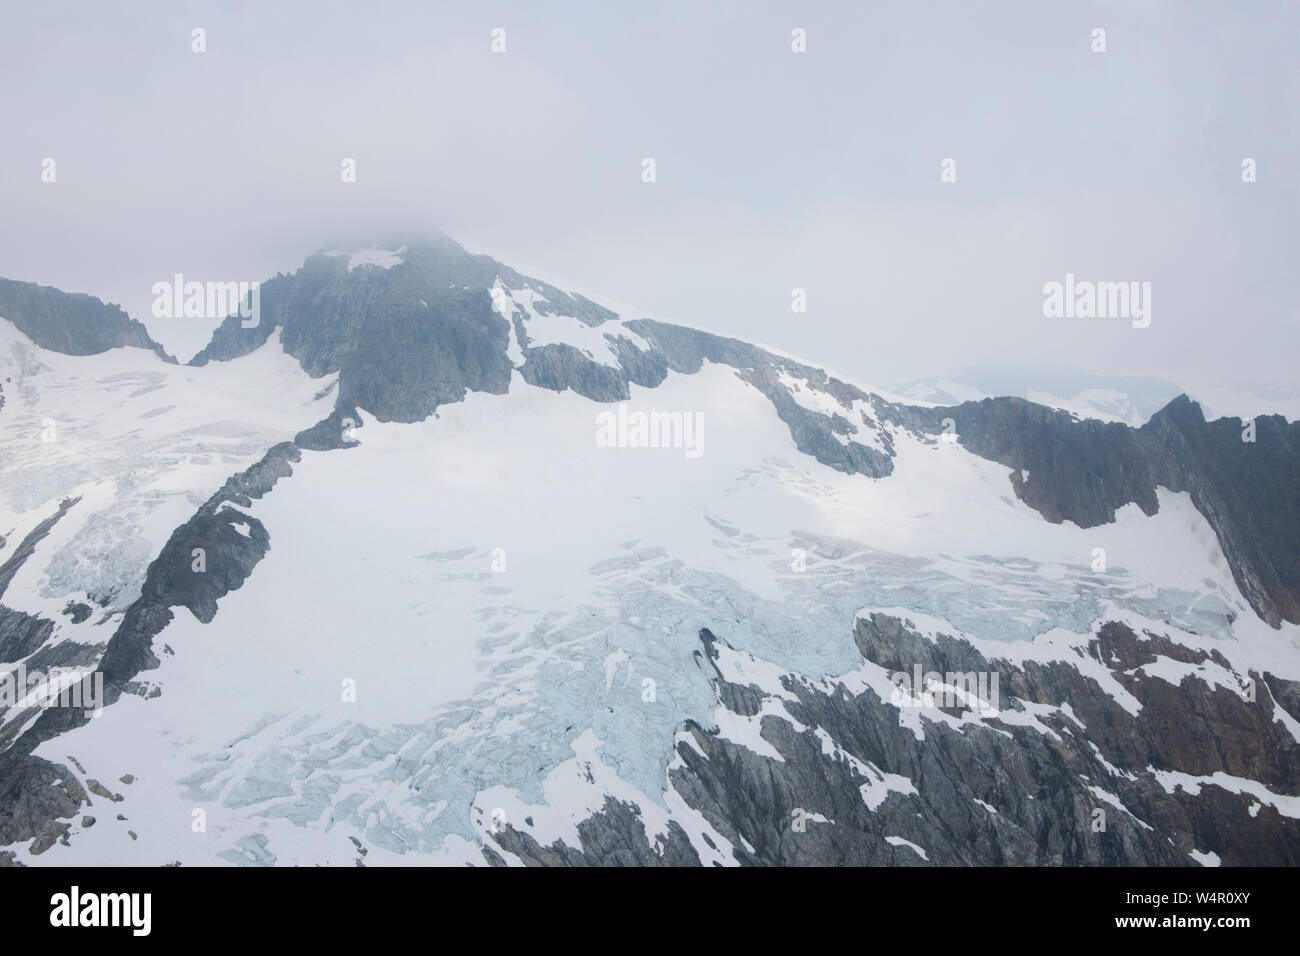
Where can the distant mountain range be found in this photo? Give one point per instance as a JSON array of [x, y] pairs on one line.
[[1131, 400]]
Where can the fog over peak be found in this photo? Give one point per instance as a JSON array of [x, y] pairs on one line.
[[774, 170]]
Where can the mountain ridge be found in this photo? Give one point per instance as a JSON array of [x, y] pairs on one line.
[[403, 345], [716, 645], [72, 322]]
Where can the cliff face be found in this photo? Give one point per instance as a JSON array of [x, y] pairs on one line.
[[71, 323], [1064, 776], [404, 340], [1249, 491], [37, 794], [442, 322], [1083, 471]]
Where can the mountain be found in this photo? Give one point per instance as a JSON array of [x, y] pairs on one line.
[[440, 563], [1131, 400], [71, 324]]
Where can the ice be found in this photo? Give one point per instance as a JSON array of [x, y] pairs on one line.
[[525, 688], [899, 841], [140, 464]]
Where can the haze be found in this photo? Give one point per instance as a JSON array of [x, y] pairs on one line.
[[775, 170]]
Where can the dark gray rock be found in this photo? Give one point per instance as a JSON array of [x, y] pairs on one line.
[[1249, 492], [404, 340], [35, 796], [78, 611], [685, 350], [71, 323], [1084, 471], [22, 634], [613, 837], [1038, 782], [563, 367], [35, 793], [28, 544], [422, 334]]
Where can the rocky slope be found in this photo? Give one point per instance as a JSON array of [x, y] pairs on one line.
[[424, 332], [1084, 471], [850, 781], [70, 323], [1169, 702]]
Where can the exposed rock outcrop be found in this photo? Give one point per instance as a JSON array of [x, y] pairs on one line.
[[71, 323], [1084, 471], [855, 784]]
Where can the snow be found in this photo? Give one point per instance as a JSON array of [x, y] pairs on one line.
[[933, 393], [877, 789], [747, 731], [504, 304], [1103, 404], [579, 787], [860, 414], [1107, 797], [1173, 780], [899, 841], [499, 588], [810, 398], [552, 328], [156, 441], [1129, 400]]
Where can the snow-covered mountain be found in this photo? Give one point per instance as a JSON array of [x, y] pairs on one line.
[[1131, 400], [440, 563]]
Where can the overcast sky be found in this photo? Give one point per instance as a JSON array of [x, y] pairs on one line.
[[775, 169]]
